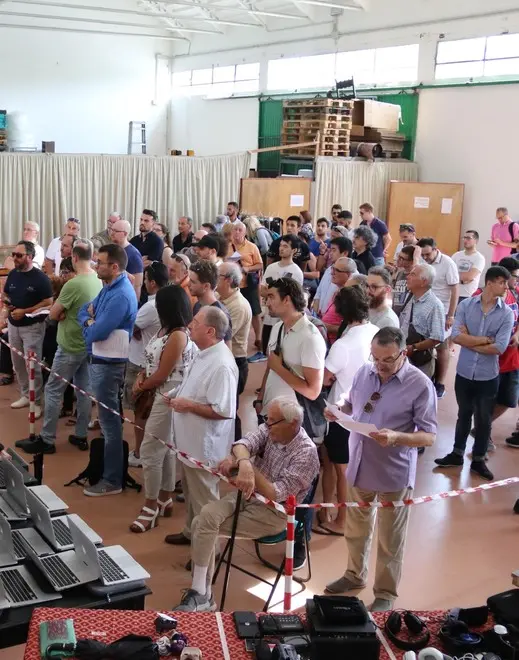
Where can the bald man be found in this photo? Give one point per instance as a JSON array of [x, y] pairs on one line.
[[119, 233]]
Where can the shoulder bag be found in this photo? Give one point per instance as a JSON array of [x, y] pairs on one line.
[[418, 358]]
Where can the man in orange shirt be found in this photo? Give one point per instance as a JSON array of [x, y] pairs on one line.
[[179, 273], [251, 265]]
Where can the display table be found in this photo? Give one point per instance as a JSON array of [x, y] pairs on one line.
[[202, 629]]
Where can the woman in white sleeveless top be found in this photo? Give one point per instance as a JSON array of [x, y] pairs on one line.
[[168, 354]]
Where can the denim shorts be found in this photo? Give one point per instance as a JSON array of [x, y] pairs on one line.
[[508, 392]]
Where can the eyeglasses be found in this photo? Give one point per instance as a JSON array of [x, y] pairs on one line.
[[407, 228], [271, 424], [338, 270], [18, 255], [370, 405], [374, 287], [389, 360]]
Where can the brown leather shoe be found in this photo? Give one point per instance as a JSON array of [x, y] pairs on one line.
[[177, 539]]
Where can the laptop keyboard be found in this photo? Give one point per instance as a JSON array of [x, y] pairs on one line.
[[62, 532], [60, 573], [16, 588], [110, 571], [19, 548]]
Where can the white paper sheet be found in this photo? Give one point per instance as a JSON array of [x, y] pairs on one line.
[[421, 202], [234, 257], [347, 422], [297, 200], [116, 346], [446, 206], [40, 312]]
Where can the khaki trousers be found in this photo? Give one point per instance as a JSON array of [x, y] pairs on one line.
[[200, 488], [255, 521], [158, 462], [391, 531]]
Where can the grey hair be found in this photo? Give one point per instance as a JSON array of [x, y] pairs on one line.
[[215, 318], [239, 223], [33, 225], [84, 241], [427, 273], [188, 220], [86, 249], [233, 273], [116, 214], [349, 264], [358, 278], [290, 409], [367, 234], [382, 272], [389, 335]]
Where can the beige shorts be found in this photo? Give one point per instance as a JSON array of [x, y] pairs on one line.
[[132, 371]]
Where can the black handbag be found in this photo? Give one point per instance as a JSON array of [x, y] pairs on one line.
[[417, 358]]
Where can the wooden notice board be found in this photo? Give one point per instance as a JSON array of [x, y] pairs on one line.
[[435, 209], [276, 198]]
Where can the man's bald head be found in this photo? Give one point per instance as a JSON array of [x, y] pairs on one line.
[[120, 231], [198, 235]]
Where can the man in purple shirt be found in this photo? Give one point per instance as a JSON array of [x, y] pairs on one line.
[[380, 229], [382, 465]]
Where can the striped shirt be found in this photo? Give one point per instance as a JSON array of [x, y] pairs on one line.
[[428, 316], [291, 468]]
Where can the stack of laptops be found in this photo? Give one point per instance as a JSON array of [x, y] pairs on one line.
[[12, 546], [20, 465], [18, 588]]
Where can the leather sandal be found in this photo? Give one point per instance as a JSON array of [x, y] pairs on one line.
[[146, 520], [165, 508]]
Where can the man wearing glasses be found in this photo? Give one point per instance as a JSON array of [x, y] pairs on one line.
[[382, 466], [405, 262], [407, 237], [277, 460], [119, 232], [379, 291], [342, 270]]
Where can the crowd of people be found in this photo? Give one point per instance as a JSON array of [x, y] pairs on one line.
[[161, 326]]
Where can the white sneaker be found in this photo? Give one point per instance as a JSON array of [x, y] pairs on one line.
[[134, 461], [23, 402]]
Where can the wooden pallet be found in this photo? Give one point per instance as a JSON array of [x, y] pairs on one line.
[[320, 103]]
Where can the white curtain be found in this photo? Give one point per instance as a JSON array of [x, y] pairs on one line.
[[49, 188], [351, 183]]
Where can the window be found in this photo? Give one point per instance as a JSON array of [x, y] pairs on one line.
[[485, 57], [218, 81], [381, 66]]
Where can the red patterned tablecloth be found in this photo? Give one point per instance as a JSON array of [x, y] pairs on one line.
[[201, 628]]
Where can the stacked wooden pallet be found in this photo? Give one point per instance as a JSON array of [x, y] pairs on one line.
[[330, 119], [3, 130]]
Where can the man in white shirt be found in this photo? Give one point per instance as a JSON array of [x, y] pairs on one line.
[[379, 293], [407, 237], [147, 324], [203, 413], [53, 255], [31, 232], [470, 264], [445, 287], [285, 267]]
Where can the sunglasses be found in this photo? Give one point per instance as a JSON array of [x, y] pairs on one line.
[[407, 228], [370, 405], [18, 255], [338, 270]]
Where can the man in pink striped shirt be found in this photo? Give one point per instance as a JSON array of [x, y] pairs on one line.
[[504, 237]]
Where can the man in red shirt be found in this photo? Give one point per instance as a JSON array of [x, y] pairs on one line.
[[508, 392]]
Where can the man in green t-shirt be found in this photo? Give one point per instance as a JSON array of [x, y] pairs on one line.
[[70, 361]]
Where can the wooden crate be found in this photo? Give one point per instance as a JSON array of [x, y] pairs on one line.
[[319, 103]]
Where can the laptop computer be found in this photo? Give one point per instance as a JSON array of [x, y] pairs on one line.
[[86, 564], [18, 588], [13, 501], [19, 464], [56, 530], [13, 543]]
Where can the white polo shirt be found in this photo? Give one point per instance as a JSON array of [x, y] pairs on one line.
[[276, 271], [446, 275], [464, 263], [212, 379], [147, 321], [54, 253], [302, 346], [325, 291], [346, 357]]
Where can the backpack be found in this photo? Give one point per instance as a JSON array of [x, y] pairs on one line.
[[512, 237], [93, 472]]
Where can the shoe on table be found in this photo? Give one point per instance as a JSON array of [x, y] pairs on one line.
[[381, 605], [299, 556], [257, 357], [451, 460], [440, 390], [342, 585], [22, 402], [513, 440], [101, 489], [177, 539], [80, 443], [479, 468], [192, 601], [134, 461], [36, 446]]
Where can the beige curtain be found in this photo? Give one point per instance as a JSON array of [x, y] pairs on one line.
[[351, 183], [49, 188]]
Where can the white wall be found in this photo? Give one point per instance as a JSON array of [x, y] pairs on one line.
[[214, 127], [81, 90], [470, 136]]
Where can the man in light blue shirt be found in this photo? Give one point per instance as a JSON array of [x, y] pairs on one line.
[[482, 327]]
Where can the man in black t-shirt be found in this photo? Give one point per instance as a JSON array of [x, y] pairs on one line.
[[149, 244], [203, 279], [27, 290], [302, 255]]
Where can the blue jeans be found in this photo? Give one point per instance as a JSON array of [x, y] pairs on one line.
[[69, 366], [474, 397], [107, 380], [379, 261]]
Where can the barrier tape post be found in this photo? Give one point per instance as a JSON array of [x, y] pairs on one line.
[[31, 361], [289, 553]]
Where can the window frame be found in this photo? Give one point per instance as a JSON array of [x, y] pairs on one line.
[[483, 61]]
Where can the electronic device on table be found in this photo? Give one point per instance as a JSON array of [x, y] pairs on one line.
[[84, 564], [18, 588], [246, 625], [275, 625], [21, 465], [56, 530], [13, 500], [12, 547]]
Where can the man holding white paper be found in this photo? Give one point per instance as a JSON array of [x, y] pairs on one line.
[[107, 324], [382, 467]]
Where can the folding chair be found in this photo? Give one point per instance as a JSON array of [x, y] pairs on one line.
[[226, 556]]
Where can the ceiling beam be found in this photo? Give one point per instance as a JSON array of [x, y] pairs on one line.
[[158, 10], [110, 33], [185, 3], [77, 19]]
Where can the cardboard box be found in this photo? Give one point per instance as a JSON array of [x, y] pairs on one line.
[[357, 131], [376, 114]]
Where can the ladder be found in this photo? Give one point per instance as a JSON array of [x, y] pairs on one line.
[[137, 137]]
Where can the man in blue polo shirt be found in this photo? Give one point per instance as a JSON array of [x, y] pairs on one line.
[[380, 228], [107, 324]]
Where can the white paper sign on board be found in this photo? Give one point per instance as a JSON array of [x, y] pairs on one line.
[[421, 202], [446, 206], [297, 200]]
